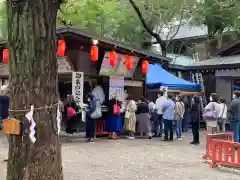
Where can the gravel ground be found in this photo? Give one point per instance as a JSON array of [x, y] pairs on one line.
[[137, 159]]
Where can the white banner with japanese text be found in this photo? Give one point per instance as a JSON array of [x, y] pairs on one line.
[[77, 87]]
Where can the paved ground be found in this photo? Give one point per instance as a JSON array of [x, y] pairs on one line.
[[137, 159]]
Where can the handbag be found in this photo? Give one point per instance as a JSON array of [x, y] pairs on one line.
[[97, 113], [210, 114], [116, 108], [71, 112], [127, 114]]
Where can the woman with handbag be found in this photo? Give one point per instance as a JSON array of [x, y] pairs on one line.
[[114, 121], [144, 123], [130, 118], [210, 114], [91, 121], [70, 112]]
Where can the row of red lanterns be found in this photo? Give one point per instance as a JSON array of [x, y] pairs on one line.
[[94, 53], [94, 56], [61, 50], [112, 56]]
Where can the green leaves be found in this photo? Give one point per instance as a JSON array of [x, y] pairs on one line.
[[218, 15], [109, 18], [3, 20]]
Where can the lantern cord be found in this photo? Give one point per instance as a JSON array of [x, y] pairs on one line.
[[39, 108]]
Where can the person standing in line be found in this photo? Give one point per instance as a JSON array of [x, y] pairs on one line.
[[130, 117], [153, 115], [186, 116], [222, 116], [178, 116], [4, 106], [90, 124], [168, 113], [114, 123], [144, 124], [195, 119], [72, 120], [234, 115], [210, 114], [159, 120]]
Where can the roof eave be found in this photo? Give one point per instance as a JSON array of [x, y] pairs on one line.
[[63, 30], [214, 67]]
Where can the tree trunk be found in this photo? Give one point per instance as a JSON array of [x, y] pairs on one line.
[[33, 81]]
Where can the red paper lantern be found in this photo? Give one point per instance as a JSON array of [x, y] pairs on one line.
[[129, 63], [145, 64], [94, 53], [5, 55], [61, 47], [112, 58]]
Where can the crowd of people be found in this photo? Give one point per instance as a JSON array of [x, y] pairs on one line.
[[150, 119], [217, 113], [167, 117]]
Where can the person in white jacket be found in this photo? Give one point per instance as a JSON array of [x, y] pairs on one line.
[[222, 115]]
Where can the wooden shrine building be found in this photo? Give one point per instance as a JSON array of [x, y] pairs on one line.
[[77, 59]]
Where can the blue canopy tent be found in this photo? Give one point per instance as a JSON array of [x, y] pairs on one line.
[[157, 76]]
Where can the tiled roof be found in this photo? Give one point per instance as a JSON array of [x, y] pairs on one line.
[[180, 60], [219, 61]]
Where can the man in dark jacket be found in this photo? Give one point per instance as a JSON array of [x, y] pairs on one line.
[[195, 118], [234, 115], [4, 106]]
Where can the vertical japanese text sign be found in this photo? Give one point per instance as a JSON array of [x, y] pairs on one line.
[[77, 87]]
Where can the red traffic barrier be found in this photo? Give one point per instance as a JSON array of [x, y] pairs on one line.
[[225, 153], [228, 136]]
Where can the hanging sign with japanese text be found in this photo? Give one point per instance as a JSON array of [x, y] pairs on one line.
[[116, 88], [77, 87]]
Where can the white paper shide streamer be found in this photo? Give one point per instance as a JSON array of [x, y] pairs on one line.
[[32, 132], [58, 119]]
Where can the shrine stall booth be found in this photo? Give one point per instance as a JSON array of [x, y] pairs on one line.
[[117, 68], [160, 79], [85, 61]]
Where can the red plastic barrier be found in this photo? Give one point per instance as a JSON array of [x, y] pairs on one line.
[[225, 153], [100, 127], [228, 136]]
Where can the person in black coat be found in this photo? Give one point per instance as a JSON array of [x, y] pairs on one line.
[[71, 122], [195, 119], [4, 106]]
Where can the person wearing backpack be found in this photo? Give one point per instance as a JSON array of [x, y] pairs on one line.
[[91, 122], [222, 115]]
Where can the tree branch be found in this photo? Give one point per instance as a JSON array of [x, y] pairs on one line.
[[148, 29], [178, 27]]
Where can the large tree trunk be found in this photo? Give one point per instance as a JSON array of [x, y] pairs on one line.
[[33, 81]]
